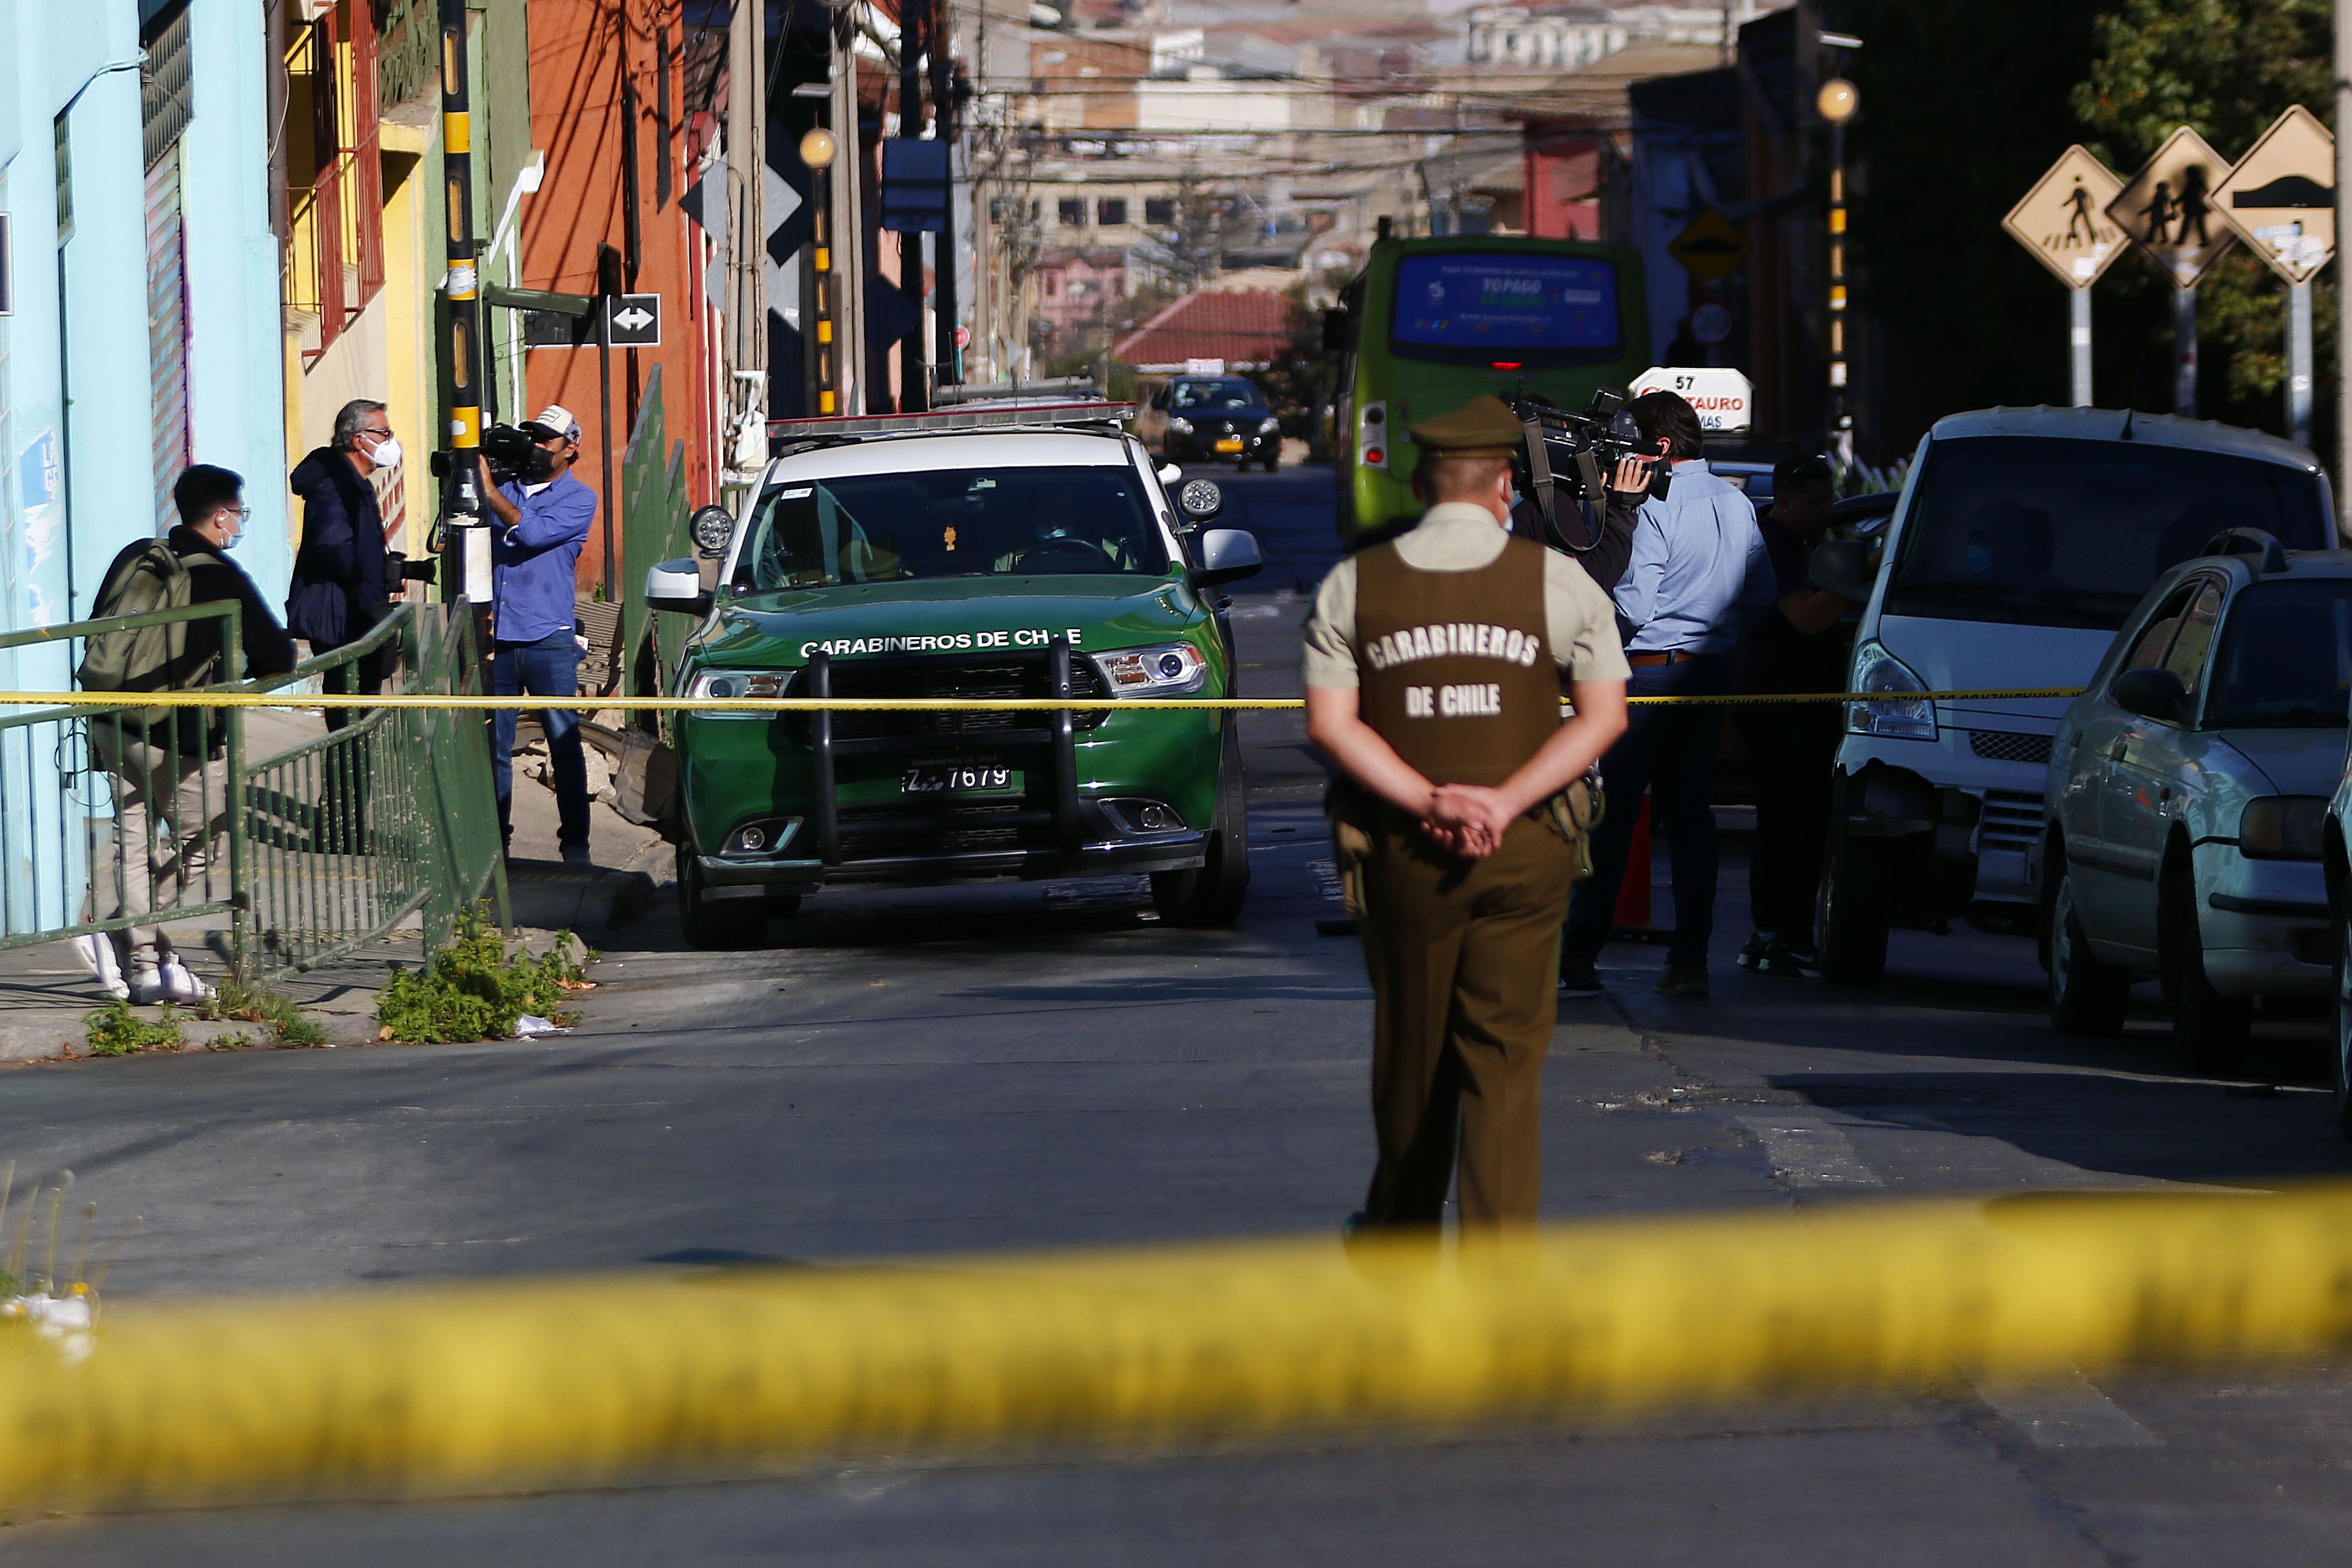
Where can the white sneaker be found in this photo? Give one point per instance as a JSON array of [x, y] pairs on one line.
[[168, 982], [183, 985], [98, 955]]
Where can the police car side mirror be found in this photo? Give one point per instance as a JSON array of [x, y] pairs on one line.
[[1198, 500], [1841, 566], [2154, 693], [1227, 555], [677, 586], [711, 527]]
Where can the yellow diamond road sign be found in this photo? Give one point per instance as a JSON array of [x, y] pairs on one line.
[[2282, 196], [2168, 208], [1711, 249], [2063, 219]]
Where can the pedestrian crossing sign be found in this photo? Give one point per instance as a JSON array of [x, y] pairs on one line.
[[2063, 220], [2170, 208]]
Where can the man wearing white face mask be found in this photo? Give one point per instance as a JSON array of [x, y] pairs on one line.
[[169, 770], [343, 582]]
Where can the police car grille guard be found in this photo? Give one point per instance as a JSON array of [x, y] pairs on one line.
[[945, 828]]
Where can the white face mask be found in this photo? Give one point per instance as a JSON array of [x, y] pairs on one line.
[[386, 454], [236, 522]]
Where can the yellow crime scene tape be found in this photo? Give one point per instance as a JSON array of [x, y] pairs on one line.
[[484, 1388], [878, 704]]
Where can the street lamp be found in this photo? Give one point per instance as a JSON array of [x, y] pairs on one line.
[[1836, 103], [817, 149]]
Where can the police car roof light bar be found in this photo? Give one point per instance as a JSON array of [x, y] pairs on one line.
[[1058, 416]]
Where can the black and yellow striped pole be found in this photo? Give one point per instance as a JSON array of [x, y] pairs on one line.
[[817, 151], [1837, 102], [465, 541]]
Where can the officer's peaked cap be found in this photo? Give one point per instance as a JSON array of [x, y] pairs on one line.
[[1483, 428]]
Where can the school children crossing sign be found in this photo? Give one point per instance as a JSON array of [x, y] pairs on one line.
[[2169, 210], [2063, 219]]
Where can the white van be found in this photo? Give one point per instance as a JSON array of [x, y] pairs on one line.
[[2023, 539]]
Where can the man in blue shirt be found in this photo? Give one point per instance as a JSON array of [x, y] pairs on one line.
[[1697, 577], [538, 524]]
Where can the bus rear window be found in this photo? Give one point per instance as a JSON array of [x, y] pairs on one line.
[[1536, 310]]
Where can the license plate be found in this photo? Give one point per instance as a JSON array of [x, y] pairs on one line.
[[944, 779], [1229, 443]]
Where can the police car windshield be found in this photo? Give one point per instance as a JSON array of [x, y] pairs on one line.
[[2287, 658], [951, 522], [1215, 395], [2048, 531]]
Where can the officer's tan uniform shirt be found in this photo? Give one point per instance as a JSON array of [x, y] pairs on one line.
[[1457, 536]]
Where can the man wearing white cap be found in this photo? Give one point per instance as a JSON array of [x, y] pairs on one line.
[[540, 520]]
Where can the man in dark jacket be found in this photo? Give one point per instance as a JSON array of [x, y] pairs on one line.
[[172, 773], [343, 581]]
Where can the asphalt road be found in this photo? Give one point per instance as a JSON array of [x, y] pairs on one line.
[[925, 1072]]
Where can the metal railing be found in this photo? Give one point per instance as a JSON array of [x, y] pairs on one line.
[[117, 817], [387, 815]]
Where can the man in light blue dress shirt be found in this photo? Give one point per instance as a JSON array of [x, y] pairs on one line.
[[1698, 577]]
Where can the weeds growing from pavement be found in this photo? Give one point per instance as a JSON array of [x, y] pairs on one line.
[[256, 1003], [116, 1031], [474, 989]]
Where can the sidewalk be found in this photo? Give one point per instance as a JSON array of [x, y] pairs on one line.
[[45, 995]]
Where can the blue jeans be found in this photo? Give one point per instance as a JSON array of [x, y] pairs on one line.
[[1669, 751], [548, 667]]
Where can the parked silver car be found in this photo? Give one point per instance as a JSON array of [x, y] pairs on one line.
[[2188, 792]]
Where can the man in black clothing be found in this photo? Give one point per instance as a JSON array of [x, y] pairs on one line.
[[1800, 645], [170, 776], [344, 582], [1610, 543]]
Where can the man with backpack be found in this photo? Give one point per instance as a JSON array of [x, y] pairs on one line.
[[170, 780]]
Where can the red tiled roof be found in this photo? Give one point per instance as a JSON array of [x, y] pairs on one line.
[[1240, 328]]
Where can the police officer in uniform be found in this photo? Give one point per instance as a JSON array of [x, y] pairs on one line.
[[1434, 667]]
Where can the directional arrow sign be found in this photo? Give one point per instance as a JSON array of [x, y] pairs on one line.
[[2063, 219], [2169, 208], [2282, 196], [635, 321]]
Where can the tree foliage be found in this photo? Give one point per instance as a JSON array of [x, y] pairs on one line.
[[2227, 67]]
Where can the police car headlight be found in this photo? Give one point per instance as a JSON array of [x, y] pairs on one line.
[[2283, 827], [1178, 423], [730, 683], [1170, 669], [1268, 425], [1875, 670]]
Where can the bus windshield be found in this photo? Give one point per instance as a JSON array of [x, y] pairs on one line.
[[2049, 531], [1531, 308]]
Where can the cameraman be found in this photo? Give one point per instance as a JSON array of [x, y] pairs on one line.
[[1612, 536], [542, 518]]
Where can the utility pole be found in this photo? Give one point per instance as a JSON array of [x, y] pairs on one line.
[[466, 542], [914, 376], [2343, 183], [945, 351], [747, 218], [845, 217]]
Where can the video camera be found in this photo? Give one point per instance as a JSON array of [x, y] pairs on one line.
[[1565, 457], [512, 454]]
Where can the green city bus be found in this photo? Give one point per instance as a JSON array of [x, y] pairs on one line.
[[1428, 325]]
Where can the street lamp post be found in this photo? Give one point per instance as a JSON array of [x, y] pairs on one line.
[[817, 150], [1837, 101]]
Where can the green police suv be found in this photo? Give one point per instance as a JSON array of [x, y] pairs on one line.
[[1012, 552]]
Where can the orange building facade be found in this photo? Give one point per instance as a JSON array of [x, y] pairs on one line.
[[610, 110]]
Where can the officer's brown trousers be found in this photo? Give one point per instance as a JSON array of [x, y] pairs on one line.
[[1464, 959]]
